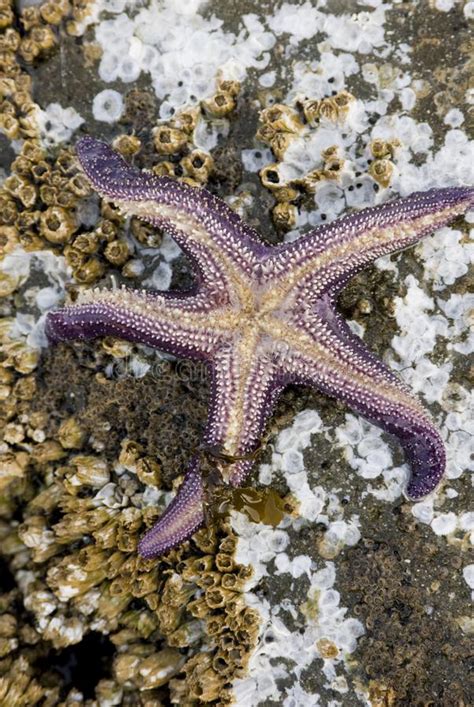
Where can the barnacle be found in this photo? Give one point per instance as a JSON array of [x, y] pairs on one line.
[[271, 177], [282, 117], [57, 224], [127, 145], [220, 104], [381, 170], [284, 215], [198, 165], [117, 252], [90, 270], [169, 141]]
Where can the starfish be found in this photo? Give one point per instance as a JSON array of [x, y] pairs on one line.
[[263, 317]]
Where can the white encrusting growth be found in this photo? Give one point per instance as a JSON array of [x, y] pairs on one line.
[[57, 124]]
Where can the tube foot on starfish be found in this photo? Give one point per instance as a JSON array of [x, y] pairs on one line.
[[263, 317]]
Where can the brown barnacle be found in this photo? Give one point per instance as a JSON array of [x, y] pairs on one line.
[[127, 145], [53, 12], [117, 252], [13, 433], [228, 544], [198, 165], [108, 692], [169, 141], [207, 580], [18, 686], [74, 257], [266, 134], [6, 15], [144, 584], [30, 241], [328, 110], [9, 40], [107, 230], [220, 104], [330, 153], [282, 118], [142, 622], [12, 466], [35, 534], [216, 624], [89, 271], [130, 452], [343, 100], [169, 617], [79, 185], [10, 126], [205, 539], [25, 388], [157, 669], [8, 626], [126, 667], [44, 37], [229, 86], [222, 663], [21, 189], [333, 168], [383, 148], [231, 581], [284, 215], [87, 243], [48, 194], [57, 225], [47, 451], [216, 597], [186, 635], [186, 120], [176, 592], [164, 169], [90, 471], [224, 562], [40, 170], [250, 618], [30, 17], [198, 608], [271, 177], [280, 143], [149, 471], [66, 199], [20, 357], [7, 85], [29, 50], [8, 210], [145, 233], [381, 170], [311, 110], [116, 347]]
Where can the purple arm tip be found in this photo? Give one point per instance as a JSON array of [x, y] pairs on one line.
[[183, 516]]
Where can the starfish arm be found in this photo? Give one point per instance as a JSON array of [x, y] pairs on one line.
[[326, 258], [244, 389], [208, 231], [182, 326], [351, 374]]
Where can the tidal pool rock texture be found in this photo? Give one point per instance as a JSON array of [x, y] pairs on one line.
[[319, 583]]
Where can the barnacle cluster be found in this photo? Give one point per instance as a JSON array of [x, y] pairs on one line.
[[174, 139], [280, 126]]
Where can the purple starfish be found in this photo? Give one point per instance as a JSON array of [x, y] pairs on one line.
[[263, 317]]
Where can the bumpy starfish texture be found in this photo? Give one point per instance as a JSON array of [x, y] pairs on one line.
[[263, 317]]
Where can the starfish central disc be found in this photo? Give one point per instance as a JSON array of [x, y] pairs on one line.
[[262, 317]]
